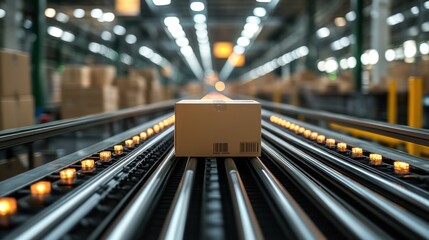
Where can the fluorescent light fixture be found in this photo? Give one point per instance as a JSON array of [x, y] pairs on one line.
[[79, 13], [146, 52], [251, 27], [323, 32], [119, 30], [253, 19], [200, 18], [343, 64], [264, 1], [2, 13], [395, 19], [96, 13], [243, 41], [181, 42], [321, 66], [410, 48], [130, 39], [390, 55], [171, 21], [186, 50], [68, 37], [239, 49], [55, 31], [426, 4], [94, 47], [161, 2], [50, 12], [424, 48], [108, 17], [373, 56], [200, 26], [331, 65], [62, 17], [415, 10], [351, 62], [197, 6], [27, 23], [202, 33], [350, 16], [106, 36], [259, 12]]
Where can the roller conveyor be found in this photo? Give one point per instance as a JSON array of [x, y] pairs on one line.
[[297, 189]]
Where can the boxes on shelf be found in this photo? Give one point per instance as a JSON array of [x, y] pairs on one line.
[[218, 128], [102, 75], [14, 73], [16, 111], [131, 91], [77, 76]]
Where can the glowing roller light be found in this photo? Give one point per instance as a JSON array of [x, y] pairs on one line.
[[292, 126], [287, 125], [166, 123], [314, 136], [156, 128], [150, 132], [330, 142], [129, 143], [401, 167], [342, 147], [119, 149], [375, 159], [8, 206], [88, 165], [136, 140], [357, 152], [272, 118], [40, 189], [161, 125], [307, 133], [301, 130], [68, 175], [321, 139], [143, 136], [105, 156]]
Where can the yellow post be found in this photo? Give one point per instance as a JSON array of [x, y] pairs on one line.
[[392, 103], [415, 109]]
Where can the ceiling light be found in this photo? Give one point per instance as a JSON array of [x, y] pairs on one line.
[[222, 49], [79, 13], [259, 12], [96, 13], [171, 21], [68, 37], [62, 17], [351, 16], [186, 50], [2, 13], [415, 10], [127, 7], [55, 31], [181, 42], [27, 23], [340, 22], [197, 6], [202, 33], [239, 49], [424, 48], [390, 55], [351, 62], [243, 41], [321, 66], [264, 1], [130, 39], [108, 17], [146, 52], [200, 18], [323, 32], [50, 12], [119, 30], [395, 19], [251, 27], [253, 19], [106, 36], [331, 65], [364, 58], [201, 26], [161, 2], [373, 56], [343, 64], [410, 48]]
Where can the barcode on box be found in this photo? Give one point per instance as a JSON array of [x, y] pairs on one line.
[[219, 148], [249, 147]]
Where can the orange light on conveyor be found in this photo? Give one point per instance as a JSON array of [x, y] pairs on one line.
[[357, 152], [401, 167], [321, 139], [314, 136], [307, 133], [287, 124], [118, 150], [375, 159], [143, 136], [296, 129], [41, 188], [330, 142], [87, 165], [149, 132], [342, 147], [8, 206], [106, 155], [129, 143], [136, 140], [272, 118], [301, 130], [161, 125], [292, 126], [166, 123], [156, 128]]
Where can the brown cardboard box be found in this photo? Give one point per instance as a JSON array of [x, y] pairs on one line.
[[215, 128], [14, 73], [77, 102], [77, 76], [16, 112], [102, 75], [131, 91]]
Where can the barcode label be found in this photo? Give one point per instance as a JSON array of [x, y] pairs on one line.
[[249, 147], [220, 148]]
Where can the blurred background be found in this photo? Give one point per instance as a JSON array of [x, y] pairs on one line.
[[72, 58]]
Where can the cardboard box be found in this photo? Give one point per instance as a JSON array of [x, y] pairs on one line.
[[102, 75], [77, 76], [16, 112], [216, 128], [131, 91], [14, 73]]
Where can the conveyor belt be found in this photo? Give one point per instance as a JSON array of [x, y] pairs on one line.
[[297, 189]]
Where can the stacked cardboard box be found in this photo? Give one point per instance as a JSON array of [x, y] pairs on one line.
[[131, 90], [16, 100], [84, 92], [153, 87]]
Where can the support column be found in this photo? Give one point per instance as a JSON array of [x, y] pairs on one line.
[[357, 47], [380, 36], [11, 24], [38, 56]]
